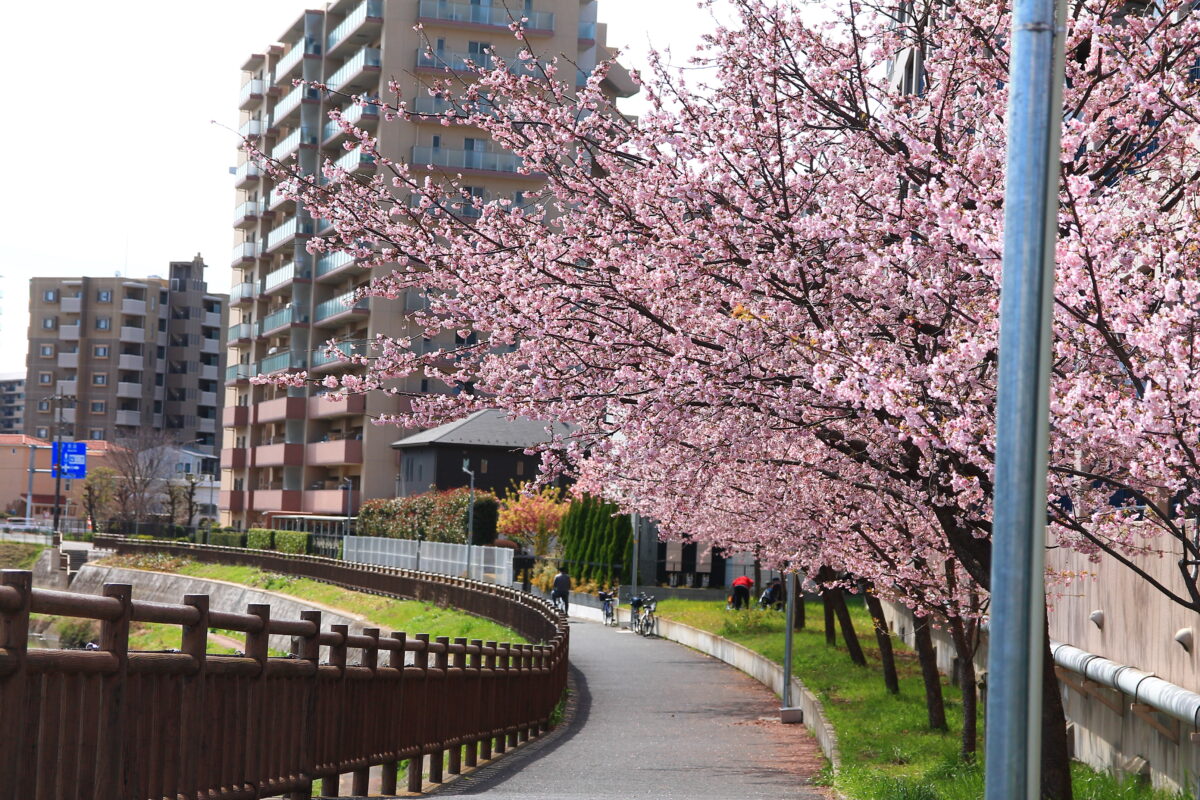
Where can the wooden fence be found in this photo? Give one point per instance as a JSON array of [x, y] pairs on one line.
[[121, 725]]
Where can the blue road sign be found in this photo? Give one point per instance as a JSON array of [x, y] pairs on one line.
[[74, 459]]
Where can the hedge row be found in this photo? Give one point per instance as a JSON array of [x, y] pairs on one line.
[[439, 516], [595, 541], [260, 539]]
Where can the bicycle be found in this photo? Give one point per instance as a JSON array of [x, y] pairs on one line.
[[560, 604], [608, 602], [641, 618]]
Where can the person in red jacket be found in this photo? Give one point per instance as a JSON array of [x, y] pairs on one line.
[[741, 591]]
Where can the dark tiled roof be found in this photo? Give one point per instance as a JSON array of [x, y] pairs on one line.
[[488, 428]]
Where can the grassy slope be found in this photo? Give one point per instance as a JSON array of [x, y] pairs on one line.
[[887, 751], [15, 555], [401, 615]]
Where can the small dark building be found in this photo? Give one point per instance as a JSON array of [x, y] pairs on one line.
[[489, 442]]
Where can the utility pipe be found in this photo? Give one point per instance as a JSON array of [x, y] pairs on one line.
[[1014, 706], [1143, 687]]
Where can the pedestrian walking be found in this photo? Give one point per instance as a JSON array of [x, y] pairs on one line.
[[562, 588]]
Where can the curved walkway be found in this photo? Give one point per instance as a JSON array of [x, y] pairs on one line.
[[654, 719]]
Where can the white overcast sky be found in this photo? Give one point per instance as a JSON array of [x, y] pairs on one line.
[[113, 162]]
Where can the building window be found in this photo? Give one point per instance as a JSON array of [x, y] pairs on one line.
[[100, 350], [50, 295], [100, 379], [43, 433], [47, 351], [520, 467], [104, 296], [103, 323], [43, 405], [50, 323], [45, 378], [96, 433], [483, 466], [98, 406]]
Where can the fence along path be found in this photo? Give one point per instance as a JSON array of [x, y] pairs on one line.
[[114, 724]]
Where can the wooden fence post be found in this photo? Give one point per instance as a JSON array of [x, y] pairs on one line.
[[258, 648], [473, 697], [114, 638], [456, 706], [438, 713], [18, 728], [416, 763], [331, 784], [396, 662], [488, 701], [368, 726], [308, 648]]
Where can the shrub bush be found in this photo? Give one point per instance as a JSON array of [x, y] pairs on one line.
[[260, 539], [227, 538], [73, 634], [291, 541], [434, 516]]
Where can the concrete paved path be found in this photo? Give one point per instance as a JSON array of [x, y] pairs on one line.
[[654, 719]]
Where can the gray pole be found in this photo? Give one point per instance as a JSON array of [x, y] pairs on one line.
[[790, 583], [29, 493], [470, 515], [56, 455], [1013, 762], [636, 522]]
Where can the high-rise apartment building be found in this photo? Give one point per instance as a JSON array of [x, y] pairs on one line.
[[127, 355], [292, 451], [12, 403]]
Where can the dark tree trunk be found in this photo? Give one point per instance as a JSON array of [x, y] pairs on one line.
[[848, 634], [929, 671], [830, 629], [798, 593], [1056, 754], [970, 694], [884, 639]]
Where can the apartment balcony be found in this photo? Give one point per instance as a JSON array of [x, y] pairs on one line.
[[232, 500], [133, 335], [206, 425], [275, 500], [278, 455], [251, 129], [281, 319], [286, 232], [247, 214], [280, 408], [210, 346], [281, 362], [334, 265], [328, 502], [212, 319], [134, 307], [70, 305], [68, 416], [344, 451], [587, 31], [65, 387], [360, 71], [359, 24], [286, 107], [484, 17], [69, 360], [356, 161], [481, 160], [247, 175], [235, 417], [233, 457], [286, 274], [251, 94], [238, 373], [245, 253], [436, 107], [301, 137], [285, 65], [364, 117], [320, 359], [68, 333], [131, 390], [208, 372], [127, 361], [324, 406], [242, 332], [132, 419], [208, 399], [336, 311], [244, 292]]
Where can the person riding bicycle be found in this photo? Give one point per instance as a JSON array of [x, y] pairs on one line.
[[561, 589]]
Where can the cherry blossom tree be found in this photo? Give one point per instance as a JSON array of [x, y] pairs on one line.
[[786, 275]]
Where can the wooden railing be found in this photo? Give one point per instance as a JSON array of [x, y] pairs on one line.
[[111, 723]]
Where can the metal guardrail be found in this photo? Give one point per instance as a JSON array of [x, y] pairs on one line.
[[111, 723]]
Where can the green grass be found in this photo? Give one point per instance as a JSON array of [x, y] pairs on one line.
[[15, 555], [886, 747], [393, 615]]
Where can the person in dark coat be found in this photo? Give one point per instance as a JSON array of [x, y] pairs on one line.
[[561, 589]]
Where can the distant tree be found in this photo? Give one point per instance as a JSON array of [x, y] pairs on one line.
[[141, 462], [533, 520], [99, 495]]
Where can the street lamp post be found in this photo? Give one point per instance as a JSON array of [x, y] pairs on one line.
[[470, 513], [56, 463], [347, 487]]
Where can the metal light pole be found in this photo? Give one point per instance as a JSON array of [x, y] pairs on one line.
[[790, 585], [56, 463], [470, 514], [1013, 762], [347, 487], [636, 522]]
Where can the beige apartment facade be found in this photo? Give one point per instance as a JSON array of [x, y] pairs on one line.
[[293, 451], [122, 356]]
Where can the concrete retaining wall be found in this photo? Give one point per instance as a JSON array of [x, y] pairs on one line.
[[160, 587]]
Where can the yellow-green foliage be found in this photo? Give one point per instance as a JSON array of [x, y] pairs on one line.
[[260, 539], [291, 542]]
